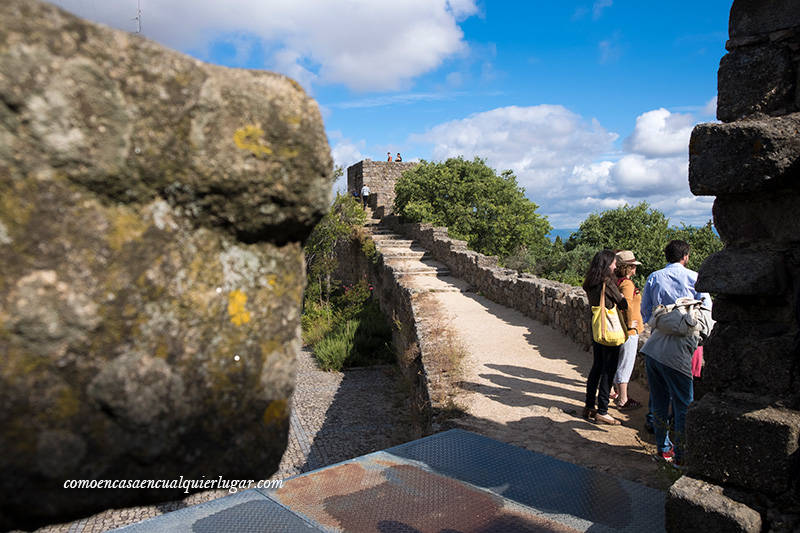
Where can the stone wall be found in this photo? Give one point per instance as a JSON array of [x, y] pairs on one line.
[[744, 433], [399, 303], [380, 177]]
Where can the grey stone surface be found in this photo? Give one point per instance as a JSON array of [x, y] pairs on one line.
[[151, 270], [745, 156], [751, 357], [770, 86], [772, 217], [724, 430], [335, 416], [749, 272], [694, 505], [762, 17]]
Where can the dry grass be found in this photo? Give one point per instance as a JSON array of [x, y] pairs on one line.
[[443, 351]]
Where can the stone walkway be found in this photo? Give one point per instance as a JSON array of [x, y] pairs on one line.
[[336, 416], [520, 381]]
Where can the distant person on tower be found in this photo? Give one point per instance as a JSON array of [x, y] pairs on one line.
[[389, 156], [668, 357], [398, 159]]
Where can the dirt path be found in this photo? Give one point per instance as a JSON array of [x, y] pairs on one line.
[[523, 383]]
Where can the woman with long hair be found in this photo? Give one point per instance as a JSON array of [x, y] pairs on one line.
[[600, 274]]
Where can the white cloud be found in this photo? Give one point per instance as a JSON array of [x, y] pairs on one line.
[[660, 133], [562, 160], [710, 108], [345, 152], [640, 176], [599, 6], [363, 44], [539, 143]]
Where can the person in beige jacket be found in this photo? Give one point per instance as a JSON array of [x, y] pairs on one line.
[[626, 267]]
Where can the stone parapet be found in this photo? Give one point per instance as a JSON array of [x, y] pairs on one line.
[[563, 307], [743, 434]]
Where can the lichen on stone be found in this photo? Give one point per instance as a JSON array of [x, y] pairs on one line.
[[236, 308], [249, 138]]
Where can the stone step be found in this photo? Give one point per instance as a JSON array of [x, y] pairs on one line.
[[405, 254], [422, 271], [392, 242]]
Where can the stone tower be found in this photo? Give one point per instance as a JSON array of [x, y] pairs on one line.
[[380, 177], [743, 433]]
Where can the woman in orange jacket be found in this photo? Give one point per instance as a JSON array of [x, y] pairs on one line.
[[626, 267]]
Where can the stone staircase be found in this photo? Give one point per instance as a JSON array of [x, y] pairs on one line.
[[407, 258]]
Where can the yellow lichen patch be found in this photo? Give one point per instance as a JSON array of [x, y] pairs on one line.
[[272, 279], [68, 404], [127, 226], [275, 412], [288, 153], [249, 138], [162, 350], [237, 300]]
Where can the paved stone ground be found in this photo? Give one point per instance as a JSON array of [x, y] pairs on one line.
[[336, 416]]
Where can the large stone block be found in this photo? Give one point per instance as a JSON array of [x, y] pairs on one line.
[[772, 217], [745, 272], [770, 86], [751, 310], [745, 157], [694, 505], [151, 268], [751, 357], [743, 440], [761, 17]]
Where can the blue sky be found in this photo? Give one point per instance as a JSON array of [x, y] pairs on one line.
[[589, 103]]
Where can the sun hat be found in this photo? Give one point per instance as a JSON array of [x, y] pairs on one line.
[[626, 257]]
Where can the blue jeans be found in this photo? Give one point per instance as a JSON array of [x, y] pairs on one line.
[[601, 376], [667, 383]]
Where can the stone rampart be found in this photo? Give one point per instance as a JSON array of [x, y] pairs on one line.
[[399, 303], [563, 307], [744, 434]]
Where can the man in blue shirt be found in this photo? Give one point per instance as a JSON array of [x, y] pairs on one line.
[[667, 385], [674, 281]]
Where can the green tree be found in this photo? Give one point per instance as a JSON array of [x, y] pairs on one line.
[[703, 241], [476, 205], [639, 228], [335, 227]]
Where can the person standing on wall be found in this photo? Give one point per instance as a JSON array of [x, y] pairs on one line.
[[398, 159], [626, 267], [666, 362], [365, 192], [600, 283], [389, 157]]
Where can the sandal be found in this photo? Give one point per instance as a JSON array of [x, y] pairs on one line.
[[612, 395], [589, 413], [630, 405], [606, 419]]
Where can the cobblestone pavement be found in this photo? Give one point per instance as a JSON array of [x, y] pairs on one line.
[[335, 416]]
